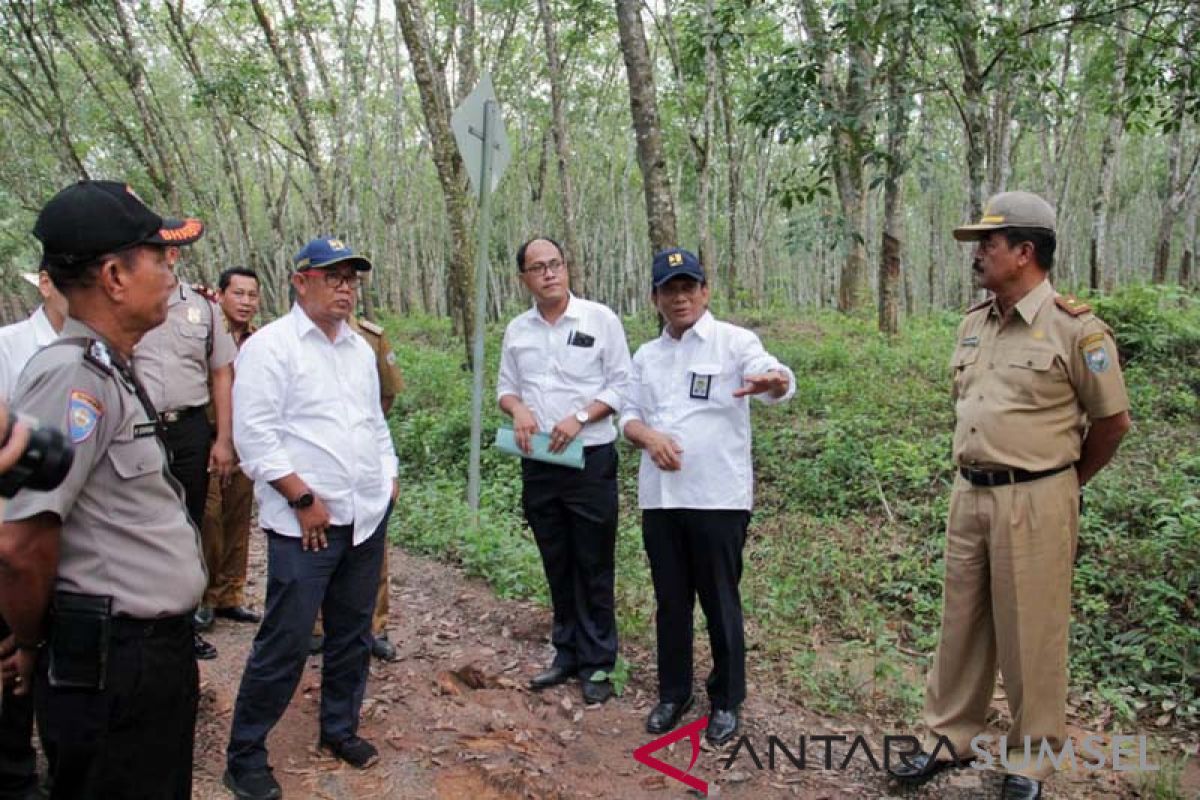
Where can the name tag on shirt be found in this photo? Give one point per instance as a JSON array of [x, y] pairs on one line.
[[580, 339], [702, 380], [144, 429]]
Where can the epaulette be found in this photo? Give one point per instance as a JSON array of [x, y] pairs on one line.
[[1071, 305], [984, 303], [206, 292], [370, 327], [97, 356]]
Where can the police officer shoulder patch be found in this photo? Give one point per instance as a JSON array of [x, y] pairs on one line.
[[83, 414], [1095, 352]]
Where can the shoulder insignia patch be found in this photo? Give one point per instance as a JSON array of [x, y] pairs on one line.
[[390, 358], [1072, 306], [83, 414], [981, 304], [370, 327]]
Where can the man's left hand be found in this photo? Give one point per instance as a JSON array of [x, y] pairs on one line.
[[16, 666], [564, 433], [776, 383], [222, 460]]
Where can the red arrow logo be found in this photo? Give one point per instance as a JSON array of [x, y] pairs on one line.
[[690, 731]]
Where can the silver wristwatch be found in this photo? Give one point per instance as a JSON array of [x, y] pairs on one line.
[[582, 416]]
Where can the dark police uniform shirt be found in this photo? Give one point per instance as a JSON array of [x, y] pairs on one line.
[[125, 531]]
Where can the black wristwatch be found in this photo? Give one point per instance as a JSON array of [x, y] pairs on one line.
[[303, 501]]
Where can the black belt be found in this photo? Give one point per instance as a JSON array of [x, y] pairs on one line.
[[169, 417], [137, 628], [595, 448], [1004, 477]]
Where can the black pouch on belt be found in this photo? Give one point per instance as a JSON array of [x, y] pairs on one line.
[[79, 632]]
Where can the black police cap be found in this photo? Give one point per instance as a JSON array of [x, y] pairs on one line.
[[91, 218]]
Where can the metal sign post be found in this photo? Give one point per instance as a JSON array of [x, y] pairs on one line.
[[479, 132]]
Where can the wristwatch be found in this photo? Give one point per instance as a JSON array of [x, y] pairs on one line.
[[582, 416], [303, 501]]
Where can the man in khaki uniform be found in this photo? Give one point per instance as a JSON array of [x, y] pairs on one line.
[[226, 528], [390, 383], [101, 574], [1041, 408], [174, 362]]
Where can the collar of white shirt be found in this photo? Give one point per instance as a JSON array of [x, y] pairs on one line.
[[574, 311], [701, 328], [305, 326]]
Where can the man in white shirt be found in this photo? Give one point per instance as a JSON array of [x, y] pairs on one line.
[[688, 412], [312, 437], [19, 341], [564, 366]]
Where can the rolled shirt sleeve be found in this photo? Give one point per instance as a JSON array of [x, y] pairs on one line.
[[756, 360]]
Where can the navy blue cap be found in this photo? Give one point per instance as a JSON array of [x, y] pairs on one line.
[[676, 263], [325, 252]]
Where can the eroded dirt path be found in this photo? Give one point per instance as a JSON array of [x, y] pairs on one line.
[[452, 718]]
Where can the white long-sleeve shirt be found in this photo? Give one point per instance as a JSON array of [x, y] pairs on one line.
[[18, 343], [560, 369], [304, 404], [684, 387]]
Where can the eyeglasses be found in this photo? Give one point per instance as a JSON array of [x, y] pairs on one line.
[[540, 269], [336, 279]]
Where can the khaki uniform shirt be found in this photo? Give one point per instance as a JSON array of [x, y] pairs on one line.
[[390, 379], [125, 531], [1025, 388], [174, 360]]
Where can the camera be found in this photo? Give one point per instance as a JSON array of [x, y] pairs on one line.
[[43, 465]]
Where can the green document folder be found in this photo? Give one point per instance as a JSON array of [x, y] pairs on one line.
[[572, 456]]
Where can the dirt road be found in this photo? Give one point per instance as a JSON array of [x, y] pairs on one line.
[[453, 719]]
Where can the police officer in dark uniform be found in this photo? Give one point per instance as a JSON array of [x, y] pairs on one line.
[[98, 577]]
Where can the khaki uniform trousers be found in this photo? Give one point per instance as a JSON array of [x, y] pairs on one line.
[[225, 536], [1010, 552], [380, 620]]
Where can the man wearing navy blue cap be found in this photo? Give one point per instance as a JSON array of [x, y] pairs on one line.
[[688, 412], [312, 436]]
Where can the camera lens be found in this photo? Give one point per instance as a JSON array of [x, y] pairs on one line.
[[45, 462]]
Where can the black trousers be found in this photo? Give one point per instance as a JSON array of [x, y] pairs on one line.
[[18, 761], [698, 552], [342, 581], [573, 515], [133, 739], [189, 441]]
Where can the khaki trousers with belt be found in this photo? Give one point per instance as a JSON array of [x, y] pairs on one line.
[[1010, 551]]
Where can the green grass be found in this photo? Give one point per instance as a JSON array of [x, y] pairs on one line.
[[844, 565]]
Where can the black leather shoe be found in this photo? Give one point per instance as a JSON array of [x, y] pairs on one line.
[[383, 649], [356, 752], [596, 692], [257, 784], [665, 716], [237, 614], [202, 620], [1018, 787], [205, 651], [550, 677], [917, 769], [722, 725]]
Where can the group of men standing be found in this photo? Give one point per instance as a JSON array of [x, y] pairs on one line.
[[104, 579], [565, 372], [108, 578]]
